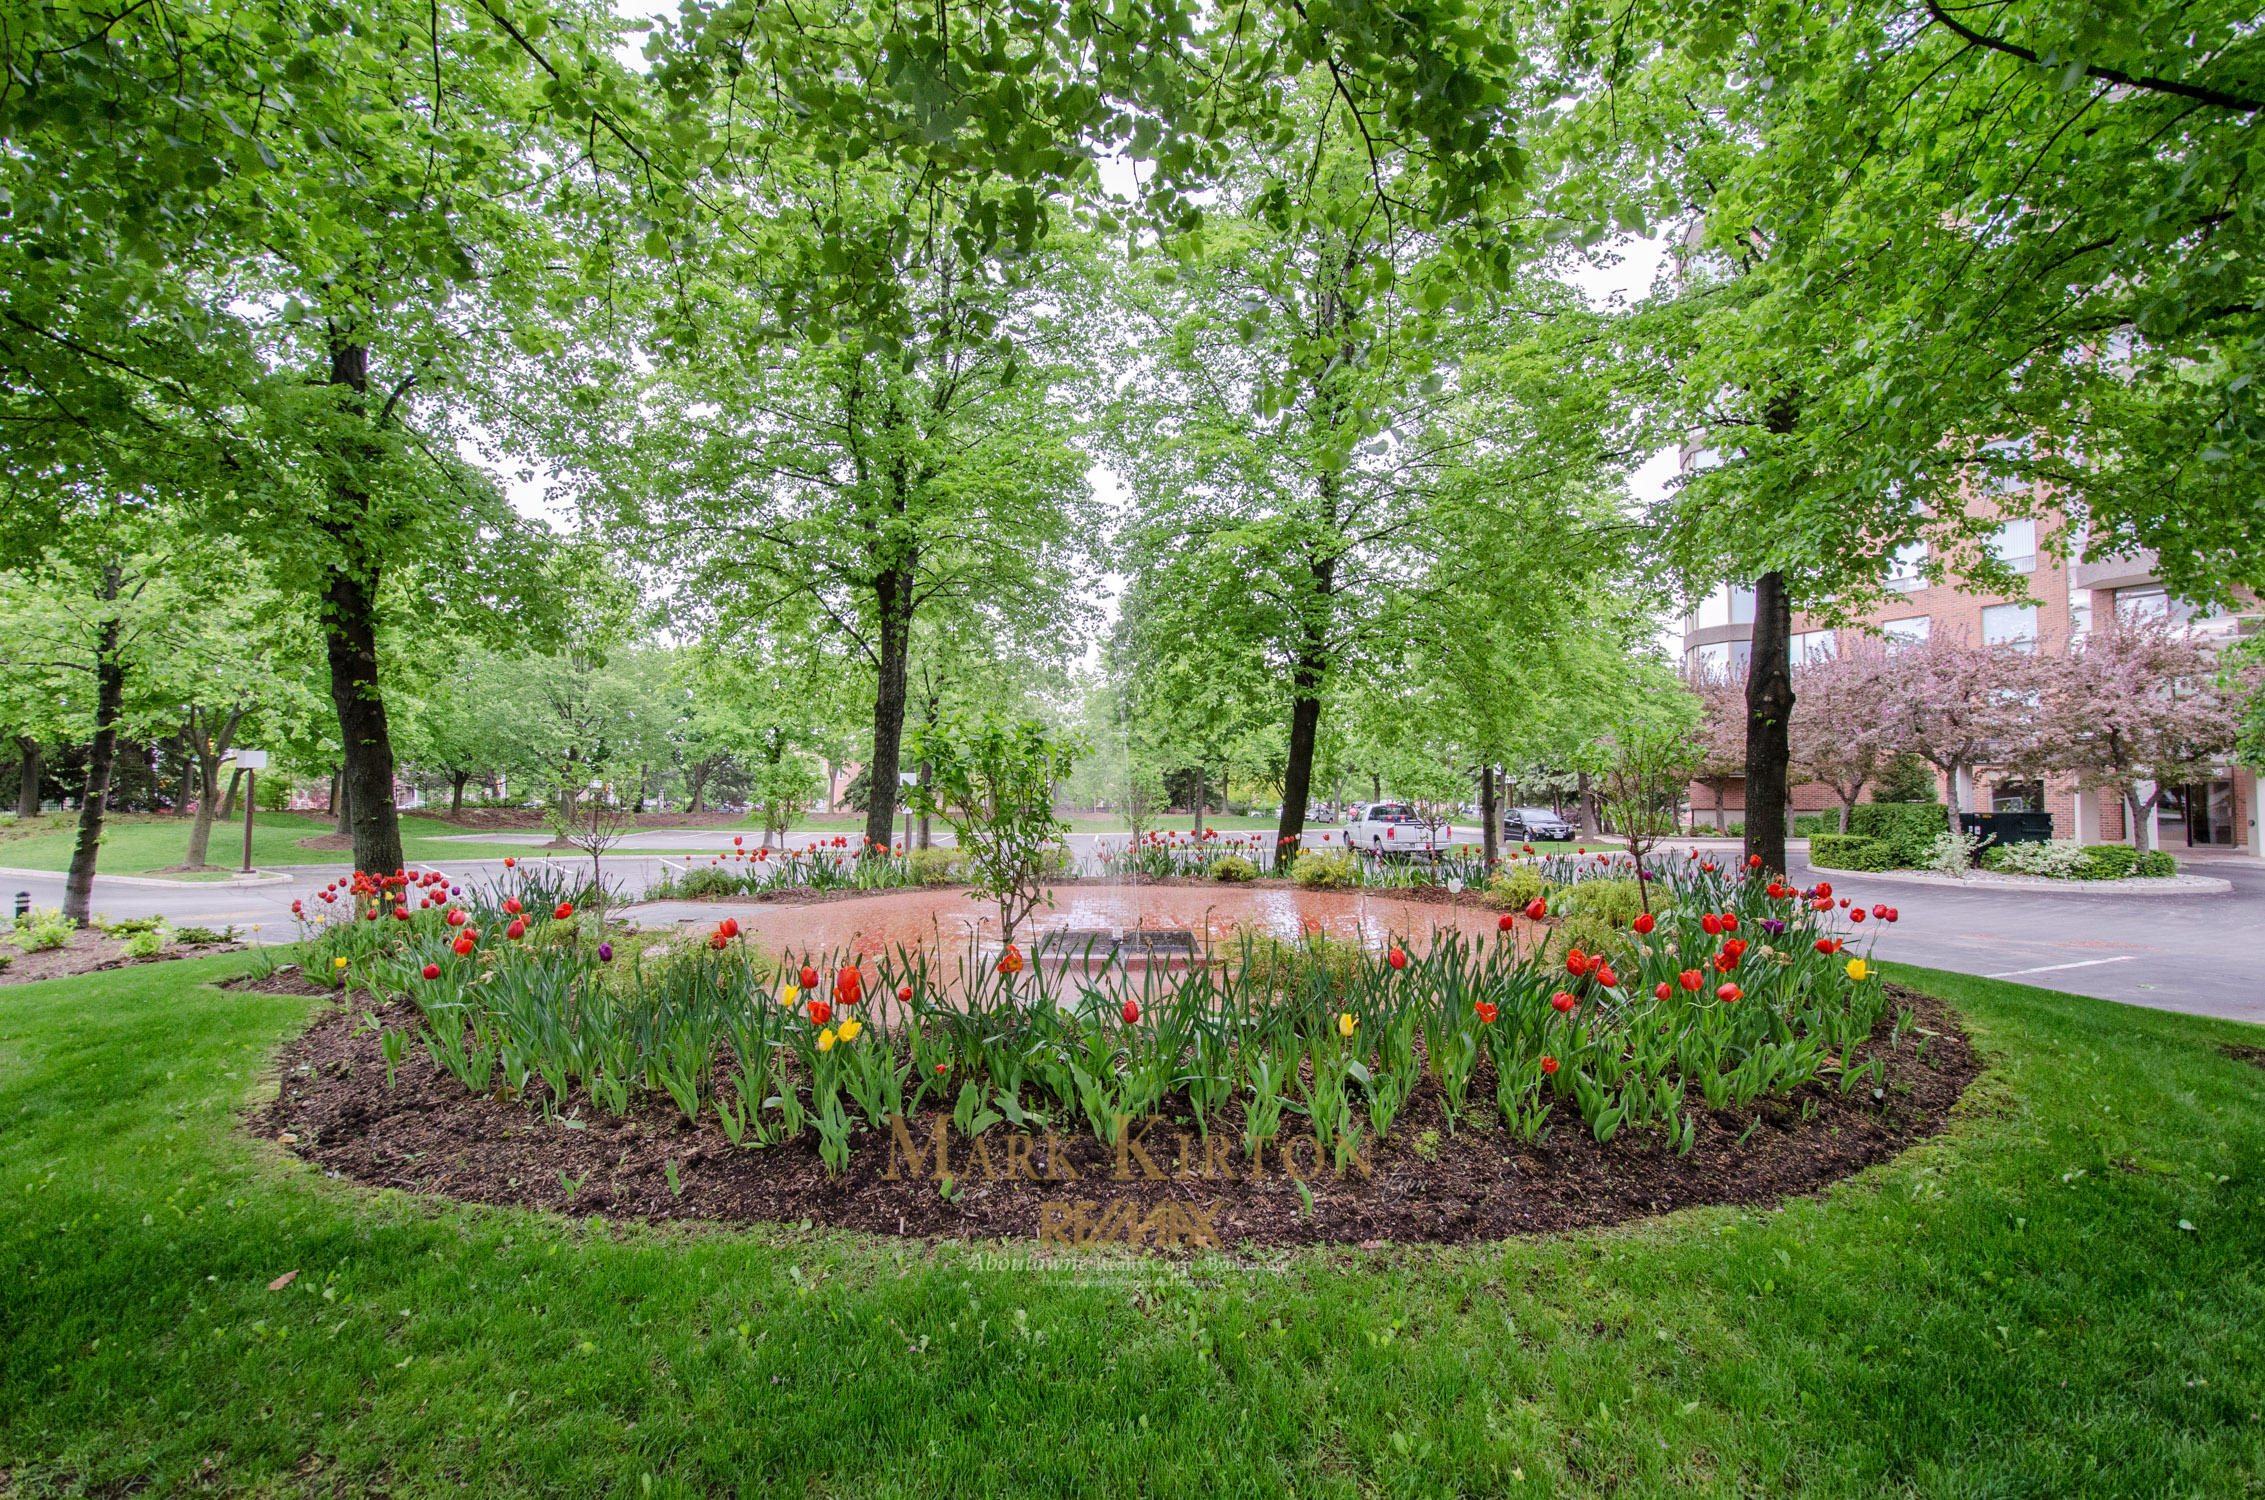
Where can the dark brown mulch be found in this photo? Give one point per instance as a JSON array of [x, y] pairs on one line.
[[91, 951], [2254, 1056], [290, 979], [427, 1135]]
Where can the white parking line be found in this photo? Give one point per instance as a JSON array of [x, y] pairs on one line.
[[2049, 968]]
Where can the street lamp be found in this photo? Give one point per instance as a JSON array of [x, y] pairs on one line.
[[251, 763]]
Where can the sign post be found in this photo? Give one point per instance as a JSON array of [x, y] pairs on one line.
[[251, 763], [905, 779]]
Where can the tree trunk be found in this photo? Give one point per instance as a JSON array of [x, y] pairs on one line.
[[1584, 798], [366, 778], [109, 695], [1493, 825], [1720, 822], [228, 799], [27, 785], [1848, 809], [1297, 770], [2137, 813], [207, 762], [1375, 786], [349, 622], [893, 638], [1201, 777], [1769, 715], [696, 780], [456, 791]]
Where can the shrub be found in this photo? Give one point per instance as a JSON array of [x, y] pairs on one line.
[[1848, 851], [2108, 861], [2055, 859], [1616, 903], [1908, 829], [1515, 885], [1908, 779], [933, 866], [1952, 854], [1591, 934], [2156, 864], [43, 928], [1326, 872], [708, 880], [147, 943], [203, 937], [1234, 869]]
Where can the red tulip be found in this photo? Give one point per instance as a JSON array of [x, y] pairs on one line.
[[1504, 922], [463, 946], [1710, 924], [1561, 1002], [849, 987], [1857, 915], [432, 971], [1824, 887], [1879, 911], [1707, 865], [1727, 993], [1132, 1012], [1691, 979], [565, 910], [820, 1012], [511, 905], [1608, 979], [1735, 947], [808, 978], [1537, 908], [729, 927], [1890, 914], [1396, 959], [1576, 963], [1548, 1064], [1010, 962], [904, 993], [1730, 921], [516, 931], [716, 940], [1662, 991], [401, 914], [509, 860], [1487, 1011], [1753, 861], [939, 1070], [1644, 924]]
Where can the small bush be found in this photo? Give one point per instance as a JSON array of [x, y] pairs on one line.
[[1318, 871], [147, 943], [2054, 859], [708, 880], [44, 928], [933, 866], [2156, 864], [2108, 861], [1908, 829], [1234, 869], [1515, 885], [1616, 903], [1953, 854], [126, 927], [1811, 825], [1848, 851], [1591, 934], [204, 937]]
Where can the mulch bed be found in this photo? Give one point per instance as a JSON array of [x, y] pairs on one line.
[[2254, 1056], [427, 1135], [91, 951]]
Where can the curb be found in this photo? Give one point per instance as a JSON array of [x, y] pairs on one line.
[[2173, 885], [232, 883]]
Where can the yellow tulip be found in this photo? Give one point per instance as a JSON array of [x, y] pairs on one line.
[[850, 1029], [1857, 970], [826, 1040], [1346, 1023], [338, 963]]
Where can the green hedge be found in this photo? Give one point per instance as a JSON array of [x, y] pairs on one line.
[[2108, 862], [2156, 863], [1846, 851], [1908, 829]]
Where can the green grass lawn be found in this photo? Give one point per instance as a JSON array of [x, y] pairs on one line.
[[2060, 1298], [133, 843]]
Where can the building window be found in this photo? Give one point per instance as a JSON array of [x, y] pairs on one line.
[[2015, 545], [1741, 605], [1904, 567], [2079, 620], [2007, 451], [1711, 661], [1812, 645], [1908, 631], [2010, 624]]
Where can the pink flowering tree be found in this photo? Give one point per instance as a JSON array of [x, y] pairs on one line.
[[2138, 703], [1841, 720], [1718, 745], [1961, 706]]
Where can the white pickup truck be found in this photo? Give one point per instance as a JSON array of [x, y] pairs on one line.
[[1391, 830]]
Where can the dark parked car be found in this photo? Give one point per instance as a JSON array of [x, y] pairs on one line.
[[1529, 824]]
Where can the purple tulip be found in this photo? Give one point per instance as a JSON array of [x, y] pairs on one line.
[[605, 953]]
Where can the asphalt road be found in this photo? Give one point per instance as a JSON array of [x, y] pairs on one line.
[[2203, 954]]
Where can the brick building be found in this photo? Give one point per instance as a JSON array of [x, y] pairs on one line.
[[2064, 598]]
